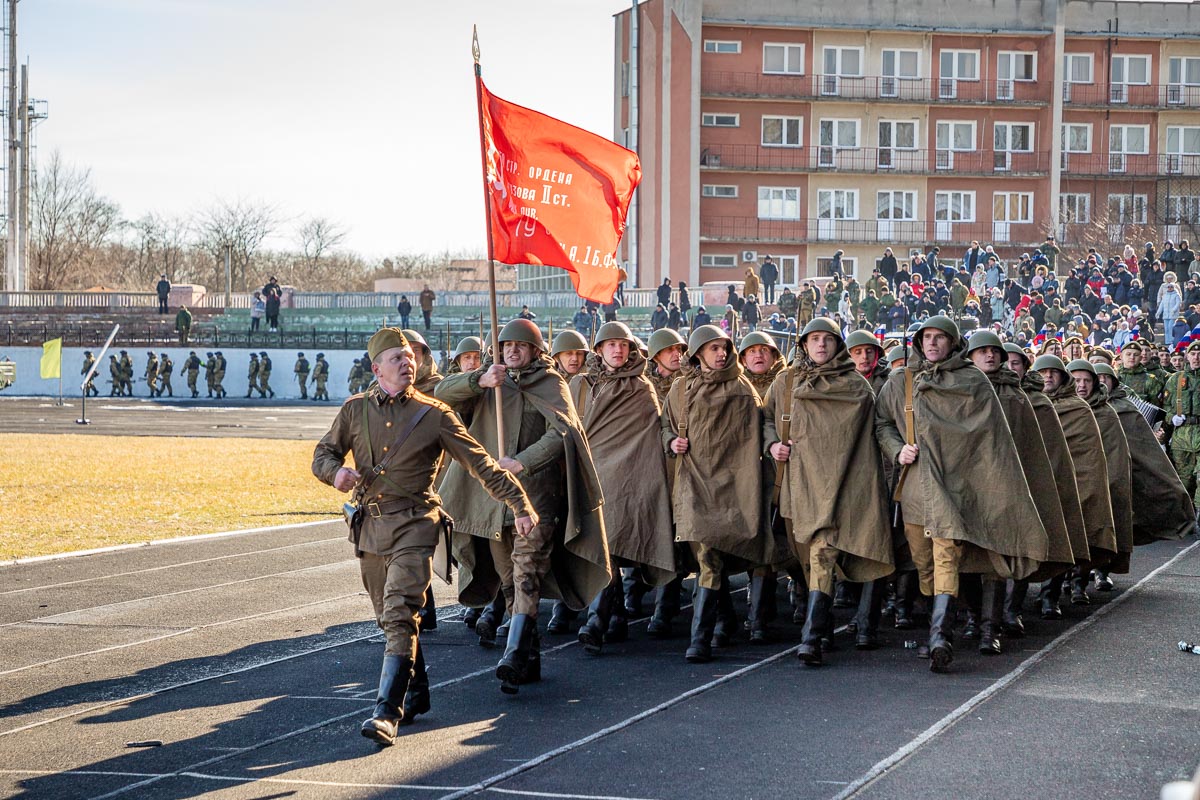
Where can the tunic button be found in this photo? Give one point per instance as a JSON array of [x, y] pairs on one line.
[[383, 472], [378, 497], [389, 424], [385, 449]]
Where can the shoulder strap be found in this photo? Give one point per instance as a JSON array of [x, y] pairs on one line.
[[369, 477], [784, 431], [581, 397], [910, 427], [679, 391], [1180, 382]]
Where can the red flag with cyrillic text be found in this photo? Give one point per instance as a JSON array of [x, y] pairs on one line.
[[559, 195]]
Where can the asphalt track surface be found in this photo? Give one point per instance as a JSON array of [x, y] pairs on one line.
[[252, 659]]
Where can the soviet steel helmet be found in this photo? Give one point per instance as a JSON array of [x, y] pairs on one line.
[[860, 338], [470, 344], [614, 330], [702, 336], [661, 339], [982, 339], [1049, 361], [523, 330], [567, 341], [756, 338]]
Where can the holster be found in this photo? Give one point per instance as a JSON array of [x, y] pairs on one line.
[[354, 521]]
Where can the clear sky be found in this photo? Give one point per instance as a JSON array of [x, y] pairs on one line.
[[362, 111]]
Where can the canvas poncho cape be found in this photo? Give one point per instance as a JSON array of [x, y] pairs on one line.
[[1120, 475], [1061, 462], [1091, 470], [717, 498], [1161, 506], [833, 481], [1039, 474], [427, 377], [967, 483], [620, 413], [579, 566]]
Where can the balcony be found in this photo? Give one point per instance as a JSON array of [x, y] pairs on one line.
[[873, 160], [867, 231], [1125, 95], [1126, 165], [872, 87]]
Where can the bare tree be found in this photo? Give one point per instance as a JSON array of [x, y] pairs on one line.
[[70, 223], [318, 236], [156, 245], [241, 227]]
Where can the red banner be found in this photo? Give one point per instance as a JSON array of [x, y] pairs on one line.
[[559, 195]]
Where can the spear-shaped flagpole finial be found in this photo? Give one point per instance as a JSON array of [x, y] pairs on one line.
[[475, 42]]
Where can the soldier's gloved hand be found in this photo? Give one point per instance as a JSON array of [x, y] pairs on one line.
[[1178, 420], [781, 451], [493, 377], [345, 479], [525, 525]]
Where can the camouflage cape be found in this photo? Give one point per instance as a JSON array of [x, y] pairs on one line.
[[579, 566], [1161, 506], [833, 482], [620, 413], [1061, 462], [1091, 470], [967, 483], [1120, 475]]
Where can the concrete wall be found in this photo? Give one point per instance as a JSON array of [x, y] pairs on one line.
[[29, 382]]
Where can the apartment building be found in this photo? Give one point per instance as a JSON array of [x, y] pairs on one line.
[[797, 129]]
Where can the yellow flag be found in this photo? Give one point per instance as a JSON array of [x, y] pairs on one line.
[[52, 359]]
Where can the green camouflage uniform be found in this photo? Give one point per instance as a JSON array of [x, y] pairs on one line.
[[320, 375], [89, 388], [152, 374], [264, 376], [165, 367], [1182, 398], [1142, 382]]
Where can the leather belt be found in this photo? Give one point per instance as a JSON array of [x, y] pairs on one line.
[[1191, 419], [390, 507]]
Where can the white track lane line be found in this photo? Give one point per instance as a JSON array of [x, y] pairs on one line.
[[954, 716]]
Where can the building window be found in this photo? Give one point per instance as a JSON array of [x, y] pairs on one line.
[[719, 46], [1077, 67], [954, 206], [1181, 210], [778, 202], [1132, 70], [714, 190], [839, 133], [1074, 208], [1017, 66], [1183, 141], [955, 66], [718, 260], [898, 134], [843, 61], [837, 204], [782, 131], [720, 120], [1076, 138], [1125, 141], [1127, 209], [1012, 207], [904, 64], [896, 204], [783, 59], [951, 138], [1014, 137]]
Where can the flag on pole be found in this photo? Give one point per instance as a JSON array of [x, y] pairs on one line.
[[1040, 336], [1136, 333], [52, 359], [558, 195], [881, 333], [1187, 339]]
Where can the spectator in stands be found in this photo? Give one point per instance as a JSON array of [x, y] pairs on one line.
[[1168, 256], [1073, 285], [674, 318], [1096, 281], [732, 298], [1050, 250], [659, 318], [664, 293], [750, 313], [788, 303], [1170, 301], [897, 316], [525, 313], [258, 308], [777, 322], [273, 293], [1177, 332], [404, 307], [685, 302], [1090, 302], [973, 258], [903, 276], [163, 288], [701, 318], [750, 284], [426, 299], [611, 309], [1184, 258], [931, 260], [729, 321], [888, 265], [870, 307], [993, 272], [183, 323], [1137, 294], [582, 321], [999, 309], [1122, 335], [835, 263], [769, 273]]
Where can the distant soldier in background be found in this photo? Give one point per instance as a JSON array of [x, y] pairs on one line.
[[467, 356], [126, 374], [165, 367], [219, 374], [152, 373], [320, 376], [183, 323], [427, 375], [301, 371], [89, 388], [264, 374], [210, 370], [192, 367], [355, 377], [114, 371], [252, 376]]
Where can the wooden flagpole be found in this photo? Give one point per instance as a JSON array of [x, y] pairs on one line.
[[491, 251]]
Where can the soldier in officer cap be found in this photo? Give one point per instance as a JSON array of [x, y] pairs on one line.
[[1134, 374], [264, 374], [545, 448], [1181, 430], [320, 377], [961, 442], [818, 426], [467, 356], [427, 376], [402, 518]]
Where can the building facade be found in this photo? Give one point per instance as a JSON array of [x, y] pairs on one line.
[[797, 129]]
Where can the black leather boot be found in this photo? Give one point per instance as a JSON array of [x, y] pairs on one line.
[[941, 633], [816, 621], [428, 612], [389, 701], [591, 635], [618, 623], [846, 594], [798, 593], [635, 589], [533, 668], [515, 660], [906, 591], [992, 610], [1049, 596], [1079, 582], [971, 595], [1014, 602], [416, 700], [760, 585], [489, 620], [561, 619], [666, 608], [727, 623], [870, 610], [470, 617], [704, 620], [1103, 582]]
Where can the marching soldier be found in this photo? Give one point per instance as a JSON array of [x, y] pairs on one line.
[[152, 373], [569, 351], [165, 367], [300, 370], [961, 441], [807, 304], [1136, 377], [408, 433], [192, 367], [114, 371], [1181, 430], [320, 376], [545, 448], [427, 372], [210, 372], [712, 428], [355, 377], [467, 356], [252, 376], [219, 374], [761, 360], [264, 374], [89, 388], [126, 374]]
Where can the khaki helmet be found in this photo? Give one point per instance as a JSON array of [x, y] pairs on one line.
[[860, 338], [523, 330], [614, 330], [415, 338], [470, 344], [824, 325], [1012, 347], [661, 339], [568, 341], [1082, 365], [639, 344], [702, 336], [1105, 369], [896, 354], [1049, 361], [982, 339], [755, 338]]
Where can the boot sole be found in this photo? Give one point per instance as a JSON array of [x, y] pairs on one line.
[[591, 643], [940, 659], [378, 737], [698, 658], [510, 678]]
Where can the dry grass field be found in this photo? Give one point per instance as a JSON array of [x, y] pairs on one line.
[[60, 493]]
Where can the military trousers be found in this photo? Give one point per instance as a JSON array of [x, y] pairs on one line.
[[819, 560], [1185, 455], [191, 379], [397, 584], [937, 561], [264, 383], [522, 563]]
